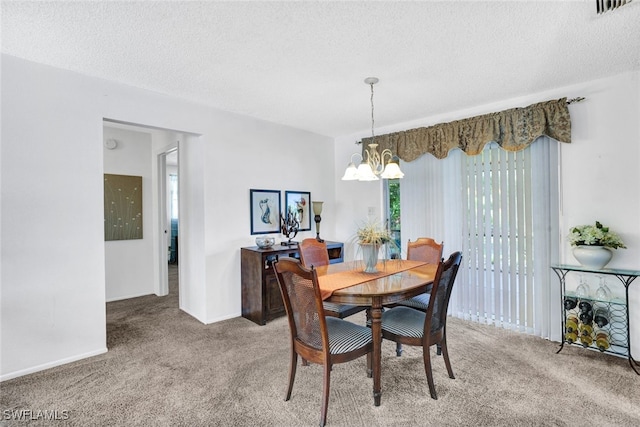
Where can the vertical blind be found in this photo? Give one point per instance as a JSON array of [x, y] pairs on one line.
[[500, 209], [497, 238]]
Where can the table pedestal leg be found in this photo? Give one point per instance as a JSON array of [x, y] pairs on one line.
[[376, 332]]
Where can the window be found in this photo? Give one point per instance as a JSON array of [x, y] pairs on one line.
[[392, 208], [173, 194]]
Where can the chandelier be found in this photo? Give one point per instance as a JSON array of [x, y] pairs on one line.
[[372, 164]]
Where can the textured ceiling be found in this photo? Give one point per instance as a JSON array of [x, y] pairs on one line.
[[303, 63]]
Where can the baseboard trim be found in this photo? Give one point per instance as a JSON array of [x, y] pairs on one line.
[[120, 298], [50, 365], [220, 319], [193, 315]]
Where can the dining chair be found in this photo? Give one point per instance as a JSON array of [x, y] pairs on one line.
[[314, 253], [320, 339], [413, 327], [427, 250]]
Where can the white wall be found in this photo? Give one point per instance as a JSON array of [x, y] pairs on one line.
[[353, 198], [601, 177], [263, 156], [53, 249], [53, 276], [129, 264]]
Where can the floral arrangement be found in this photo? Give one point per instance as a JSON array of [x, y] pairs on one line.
[[595, 235], [373, 233]]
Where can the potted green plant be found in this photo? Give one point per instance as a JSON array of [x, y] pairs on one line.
[[593, 243], [371, 235]]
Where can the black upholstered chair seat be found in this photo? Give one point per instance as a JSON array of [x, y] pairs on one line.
[[346, 336]]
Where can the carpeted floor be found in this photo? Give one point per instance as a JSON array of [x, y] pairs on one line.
[[164, 368]]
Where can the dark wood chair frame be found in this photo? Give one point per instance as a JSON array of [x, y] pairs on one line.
[[314, 253], [425, 249], [435, 319], [428, 250], [291, 273]]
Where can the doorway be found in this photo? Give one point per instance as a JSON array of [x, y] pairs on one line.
[[137, 268], [168, 209]]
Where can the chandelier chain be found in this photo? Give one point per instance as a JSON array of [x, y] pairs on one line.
[[372, 163], [373, 137]]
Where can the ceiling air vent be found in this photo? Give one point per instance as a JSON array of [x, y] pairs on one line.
[[603, 6]]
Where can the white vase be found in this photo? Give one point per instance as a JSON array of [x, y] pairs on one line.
[[594, 257], [370, 256]]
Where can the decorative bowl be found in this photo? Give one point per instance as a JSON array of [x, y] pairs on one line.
[[265, 242]]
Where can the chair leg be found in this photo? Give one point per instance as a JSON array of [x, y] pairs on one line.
[[325, 394], [445, 355], [370, 365], [292, 373], [438, 349], [398, 349], [426, 355], [304, 362]]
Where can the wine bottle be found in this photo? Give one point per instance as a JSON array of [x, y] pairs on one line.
[[602, 340], [572, 324], [586, 330], [601, 317], [586, 340], [571, 337], [570, 303], [586, 317], [585, 305]]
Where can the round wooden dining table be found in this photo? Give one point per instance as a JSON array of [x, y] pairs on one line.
[[375, 294]]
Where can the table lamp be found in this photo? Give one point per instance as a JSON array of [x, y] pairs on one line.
[[317, 210]]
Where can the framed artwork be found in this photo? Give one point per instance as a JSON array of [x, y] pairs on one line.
[[299, 202], [122, 207], [265, 211]]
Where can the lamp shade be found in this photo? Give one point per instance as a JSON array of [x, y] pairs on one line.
[[392, 170], [351, 173], [365, 173], [317, 207]]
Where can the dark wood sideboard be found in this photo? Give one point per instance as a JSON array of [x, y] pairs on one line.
[[261, 299]]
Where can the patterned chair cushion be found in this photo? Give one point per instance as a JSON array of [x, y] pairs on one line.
[[419, 302], [345, 336], [404, 321]]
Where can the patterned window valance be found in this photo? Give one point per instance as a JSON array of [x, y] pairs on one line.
[[513, 130]]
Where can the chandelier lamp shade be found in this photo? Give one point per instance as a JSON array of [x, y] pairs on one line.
[[372, 165]]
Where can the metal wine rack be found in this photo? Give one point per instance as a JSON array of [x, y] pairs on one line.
[[618, 310]]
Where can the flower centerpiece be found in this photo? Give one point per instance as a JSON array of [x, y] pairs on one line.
[[593, 244], [371, 236]]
